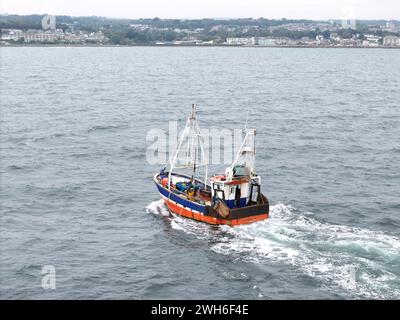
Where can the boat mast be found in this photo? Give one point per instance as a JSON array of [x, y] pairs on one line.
[[176, 152], [196, 128], [203, 155], [192, 148], [192, 129], [244, 149]]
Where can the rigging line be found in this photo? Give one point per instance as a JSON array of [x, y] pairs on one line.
[[247, 116]]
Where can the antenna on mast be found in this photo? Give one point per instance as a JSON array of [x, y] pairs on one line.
[[247, 116], [193, 116]]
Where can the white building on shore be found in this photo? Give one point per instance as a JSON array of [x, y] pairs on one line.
[[391, 41], [11, 34], [249, 41], [38, 35], [265, 41], [42, 36], [371, 40]]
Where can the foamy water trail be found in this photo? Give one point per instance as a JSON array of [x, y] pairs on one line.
[[353, 262]]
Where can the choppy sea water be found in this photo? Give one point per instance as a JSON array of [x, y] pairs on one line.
[[76, 190]]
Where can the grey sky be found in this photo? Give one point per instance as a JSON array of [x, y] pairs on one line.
[[308, 9]]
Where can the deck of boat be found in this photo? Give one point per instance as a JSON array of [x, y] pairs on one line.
[[201, 195]]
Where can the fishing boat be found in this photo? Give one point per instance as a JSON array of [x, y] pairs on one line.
[[232, 198]]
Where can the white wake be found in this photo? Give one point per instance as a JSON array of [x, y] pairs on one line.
[[355, 262]]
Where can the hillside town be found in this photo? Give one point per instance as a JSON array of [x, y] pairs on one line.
[[9, 36], [206, 32]]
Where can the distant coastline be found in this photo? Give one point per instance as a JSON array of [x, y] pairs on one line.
[[27, 45], [64, 31]]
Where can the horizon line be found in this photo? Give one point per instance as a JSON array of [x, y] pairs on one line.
[[203, 18]]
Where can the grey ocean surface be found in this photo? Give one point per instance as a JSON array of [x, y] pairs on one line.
[[77, 191]]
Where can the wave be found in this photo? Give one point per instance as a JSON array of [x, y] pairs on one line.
[[106, 127], [350, 261], [16, 167], [54, 136], [158, 207]]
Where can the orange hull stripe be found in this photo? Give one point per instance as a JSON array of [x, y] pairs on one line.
[[211, 220]]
